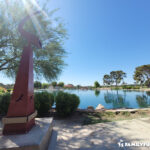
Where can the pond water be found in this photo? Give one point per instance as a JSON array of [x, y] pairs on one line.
[[112, 98]]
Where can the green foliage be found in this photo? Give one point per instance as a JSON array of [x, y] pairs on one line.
[[107, 80], [128, 87], [43, 102], [45, 85], [48, 61], [115, 88], [9, 90], [37, 85], [66, 103], [61, 84], [147, 82], [136, 87], [2, 90], [96, 84], [54, 84], [142, 75], [117, 76], [4, 103], [78, 86]]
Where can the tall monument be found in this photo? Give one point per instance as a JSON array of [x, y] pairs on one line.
[[21, 111]]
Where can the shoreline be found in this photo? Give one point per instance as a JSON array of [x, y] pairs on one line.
[[142, 89], [114, 110]]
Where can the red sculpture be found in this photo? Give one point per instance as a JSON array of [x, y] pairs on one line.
[[21, 112]]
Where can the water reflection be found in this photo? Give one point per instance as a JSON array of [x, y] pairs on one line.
[[97, 92], [143, 100], [111, 98], [117, 100], [148, 93]]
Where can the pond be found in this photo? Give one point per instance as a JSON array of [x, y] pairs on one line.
[[112, 98]]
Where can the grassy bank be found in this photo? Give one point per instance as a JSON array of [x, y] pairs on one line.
[[101, 117]]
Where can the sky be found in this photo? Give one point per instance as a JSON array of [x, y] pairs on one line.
[[103, 36]]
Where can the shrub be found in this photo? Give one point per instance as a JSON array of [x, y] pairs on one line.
[[115, 88], [130, 87], [2, 90], [43, 102], [127, 87], [136, 87], [9, 90], [4, 103], [66, 103]]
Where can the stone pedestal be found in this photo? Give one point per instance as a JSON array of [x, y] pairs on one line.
[[36, 139]]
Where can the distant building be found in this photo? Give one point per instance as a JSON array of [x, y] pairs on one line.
[[69, 86]]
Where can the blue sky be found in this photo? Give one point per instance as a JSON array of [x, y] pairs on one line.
[[104, 35]]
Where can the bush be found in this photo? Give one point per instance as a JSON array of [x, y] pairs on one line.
[[66, 103], [9, 90], [2, 90], [130, 87], [136, 87], [4, 103], [115, 88], [127, 87], [43, 102]]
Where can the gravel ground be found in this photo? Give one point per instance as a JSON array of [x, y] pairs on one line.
[[68, 135], [71, 135]]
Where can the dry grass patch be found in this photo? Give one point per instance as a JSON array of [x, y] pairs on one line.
[[100, 117]]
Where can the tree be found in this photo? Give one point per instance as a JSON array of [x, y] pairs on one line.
[[96, 84], [48, 61], [107, 79], [37, 85], [147, 82], [45, 85], [78, 86], [142, 75], [117, 76], [61, 84], [54, 84]]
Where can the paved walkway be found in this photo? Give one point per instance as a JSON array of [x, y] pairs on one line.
[[68, 135], [102, 136]]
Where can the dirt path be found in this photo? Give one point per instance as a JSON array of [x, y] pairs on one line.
[[69, 135]]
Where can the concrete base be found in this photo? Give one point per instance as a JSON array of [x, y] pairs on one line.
[[36, 139]]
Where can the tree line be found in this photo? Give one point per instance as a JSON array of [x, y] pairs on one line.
[[141, 76], [39, 85]]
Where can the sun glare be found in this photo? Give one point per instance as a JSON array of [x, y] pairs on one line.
[[34, 18]]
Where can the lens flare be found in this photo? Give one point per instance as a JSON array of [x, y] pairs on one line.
[[34, 19]]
